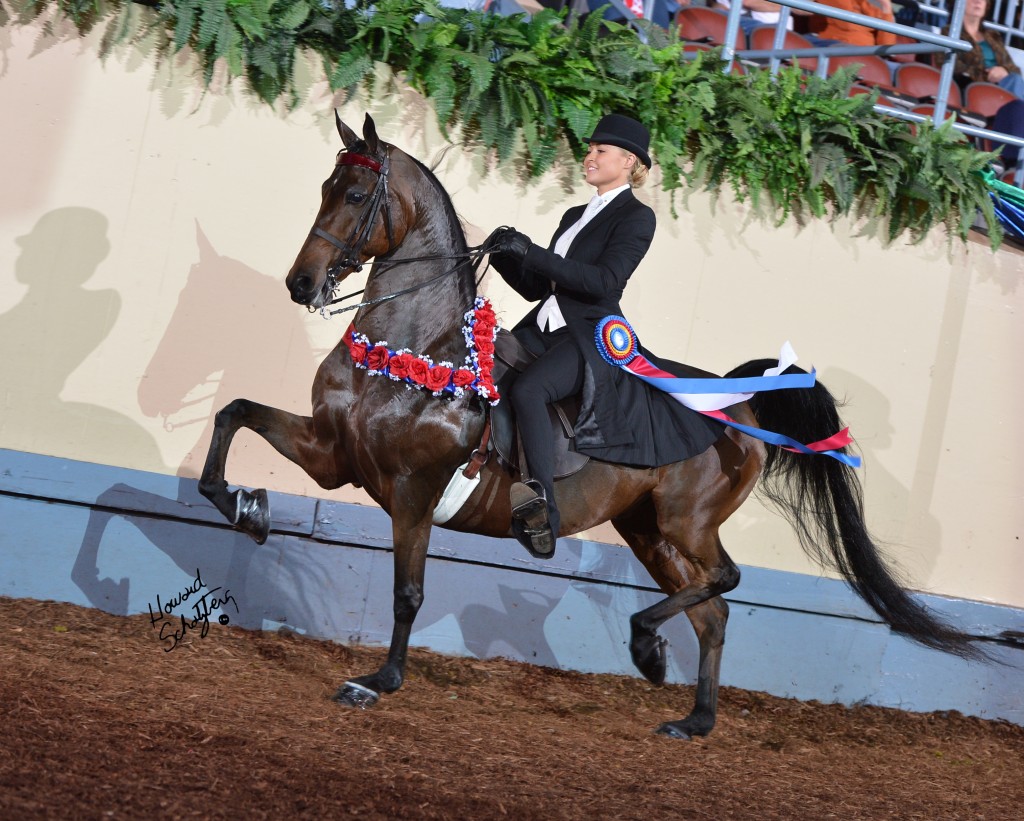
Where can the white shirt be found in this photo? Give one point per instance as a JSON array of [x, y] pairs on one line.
[[550, 317], [768, 17]]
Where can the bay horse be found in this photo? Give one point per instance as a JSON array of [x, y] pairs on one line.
[[403, 446]]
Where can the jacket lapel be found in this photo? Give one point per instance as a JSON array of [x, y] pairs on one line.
[[602, 218], [569, 219]]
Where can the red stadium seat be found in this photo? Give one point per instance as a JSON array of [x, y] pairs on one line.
[[762, 39], [921, 81], [700, 23], [903, 58], [986, 98], [872, 69]]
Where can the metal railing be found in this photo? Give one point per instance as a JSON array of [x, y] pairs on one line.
[[926, 42]]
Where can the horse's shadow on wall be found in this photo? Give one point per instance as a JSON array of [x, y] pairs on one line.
[[203, 362], [200, 364]]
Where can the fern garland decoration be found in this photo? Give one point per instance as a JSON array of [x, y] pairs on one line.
[[531, 90]]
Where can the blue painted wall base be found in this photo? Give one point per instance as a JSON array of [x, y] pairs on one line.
[[117, 539]]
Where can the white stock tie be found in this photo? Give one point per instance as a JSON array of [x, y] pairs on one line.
[[550, 316]]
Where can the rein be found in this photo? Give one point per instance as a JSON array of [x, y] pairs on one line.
[[360, 234], [473, 256]]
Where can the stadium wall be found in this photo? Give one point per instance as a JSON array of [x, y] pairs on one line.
[[146, 227]]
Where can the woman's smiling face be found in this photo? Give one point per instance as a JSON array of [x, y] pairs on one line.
[[607, 166]]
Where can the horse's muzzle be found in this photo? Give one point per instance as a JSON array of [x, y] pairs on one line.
[[305, 291]]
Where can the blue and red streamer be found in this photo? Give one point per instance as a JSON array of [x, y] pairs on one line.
[[618, 345]]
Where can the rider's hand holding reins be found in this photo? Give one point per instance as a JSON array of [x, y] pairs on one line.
[[508, 241]]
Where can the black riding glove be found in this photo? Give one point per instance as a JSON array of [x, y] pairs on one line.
[[512, 243], [492, 243]]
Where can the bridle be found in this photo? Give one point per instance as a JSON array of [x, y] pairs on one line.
[[360, 233], [352, 247]]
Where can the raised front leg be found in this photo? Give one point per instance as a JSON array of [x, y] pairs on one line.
[[411, 523], [293, 436]]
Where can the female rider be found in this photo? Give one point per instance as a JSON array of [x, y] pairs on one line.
[[577, 282]]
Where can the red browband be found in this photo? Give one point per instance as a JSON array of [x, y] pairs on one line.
[[346, 158]]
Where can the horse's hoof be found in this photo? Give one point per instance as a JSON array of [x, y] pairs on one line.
[[652, 660], [356, 695], [673, 730], [252, 514]]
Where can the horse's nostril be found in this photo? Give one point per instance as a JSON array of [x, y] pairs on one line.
[[302, 285]]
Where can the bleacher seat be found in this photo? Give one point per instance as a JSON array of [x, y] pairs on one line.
[[921, 81], [700, 23], [762, 39], [986, 98], [903, 58], [872, 69]]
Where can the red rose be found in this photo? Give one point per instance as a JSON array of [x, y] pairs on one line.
[[463, 377], [377, 359], [358, 350], [400, 365], [419, 371], [484, 344], [485, 361], [484, 326], [438, 377]]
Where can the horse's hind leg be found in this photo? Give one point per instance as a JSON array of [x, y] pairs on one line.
[[291, 435], [708, 619], [693, 584]]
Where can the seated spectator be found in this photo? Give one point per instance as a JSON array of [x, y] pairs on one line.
[[828, 28], [757, 13], [988, 61]]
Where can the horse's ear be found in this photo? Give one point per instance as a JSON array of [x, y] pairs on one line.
[[348, 136], [370, 135]]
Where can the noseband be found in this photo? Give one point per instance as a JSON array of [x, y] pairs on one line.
[[360, 234]]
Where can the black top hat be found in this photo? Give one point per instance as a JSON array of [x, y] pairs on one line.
[[625, 132]]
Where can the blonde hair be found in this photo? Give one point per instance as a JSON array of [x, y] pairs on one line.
[[638, 174]]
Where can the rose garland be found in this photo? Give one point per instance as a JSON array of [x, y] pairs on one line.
[[480, 330]]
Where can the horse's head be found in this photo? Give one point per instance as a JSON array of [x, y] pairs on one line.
[[360, 217]]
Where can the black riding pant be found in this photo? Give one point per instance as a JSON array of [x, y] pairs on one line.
[[558, 373]]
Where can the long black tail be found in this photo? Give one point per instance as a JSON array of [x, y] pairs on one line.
[[822, 499]]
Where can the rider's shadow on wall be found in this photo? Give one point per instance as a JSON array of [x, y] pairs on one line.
[[51, 332], [57, 325]]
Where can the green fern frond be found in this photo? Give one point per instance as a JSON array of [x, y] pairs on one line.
[[212, 15], [795, 142]]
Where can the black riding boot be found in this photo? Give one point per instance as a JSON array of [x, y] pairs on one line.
[[535, 518], [557, 373]]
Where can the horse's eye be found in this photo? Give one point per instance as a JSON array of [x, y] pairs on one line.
[[355, 197]]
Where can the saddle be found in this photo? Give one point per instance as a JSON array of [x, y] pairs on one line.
[[510, 359]]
